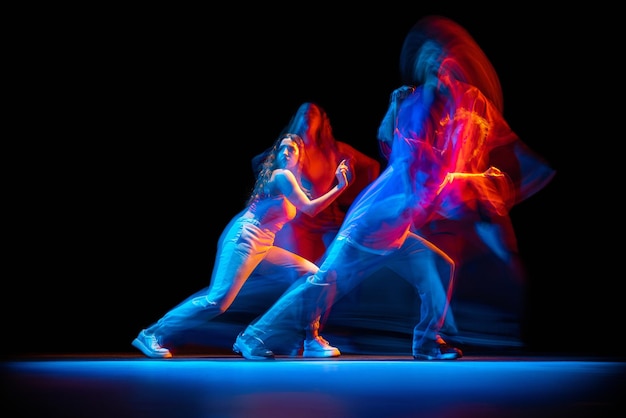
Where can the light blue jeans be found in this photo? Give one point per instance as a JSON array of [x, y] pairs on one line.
[[242, 248], [345, 267]]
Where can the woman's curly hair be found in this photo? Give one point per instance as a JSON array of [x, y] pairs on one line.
[[269, 165]]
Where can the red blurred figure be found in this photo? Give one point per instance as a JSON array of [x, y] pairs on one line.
[[305, 235]]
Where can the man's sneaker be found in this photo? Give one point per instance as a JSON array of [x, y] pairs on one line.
[[443, 351], [319, 347], [149, 345], [252, 348]]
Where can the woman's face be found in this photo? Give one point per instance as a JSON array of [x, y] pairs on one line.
[[310, 121], [288, 154]]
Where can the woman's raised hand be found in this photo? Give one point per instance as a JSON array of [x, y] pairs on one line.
[[342, 174]]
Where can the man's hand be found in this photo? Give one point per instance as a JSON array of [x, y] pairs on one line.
[[402, 93]]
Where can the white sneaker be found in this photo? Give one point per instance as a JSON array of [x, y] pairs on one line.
[[149, 345], [319, 347]]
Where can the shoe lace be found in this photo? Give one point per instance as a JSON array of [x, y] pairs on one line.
[[154, 341], [322, 340]]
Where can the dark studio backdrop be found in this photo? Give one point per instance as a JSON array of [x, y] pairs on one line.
[[139, 127]]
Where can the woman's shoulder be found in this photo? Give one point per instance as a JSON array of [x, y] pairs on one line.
[[282, 174]]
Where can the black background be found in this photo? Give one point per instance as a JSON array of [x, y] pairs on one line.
[[136, 129]]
